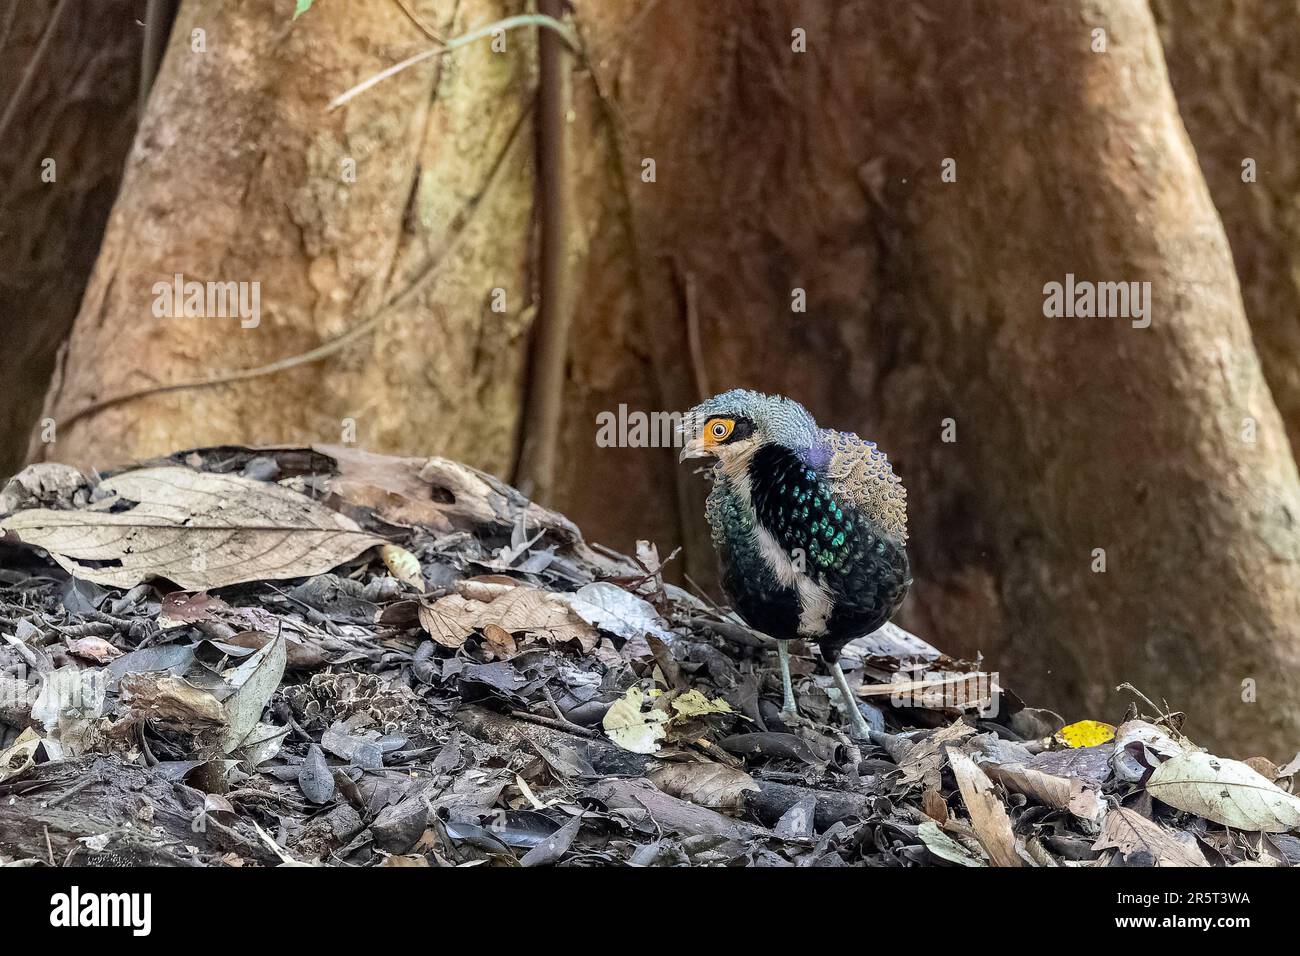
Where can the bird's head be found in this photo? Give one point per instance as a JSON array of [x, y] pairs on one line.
[[732, 426]]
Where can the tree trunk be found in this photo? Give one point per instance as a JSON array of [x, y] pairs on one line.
[[1155, 453], [1079, 440], [384, 232], [68, 85], [1235, 68]]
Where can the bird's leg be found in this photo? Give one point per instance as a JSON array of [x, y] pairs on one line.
[[789, 712], [849, 704]]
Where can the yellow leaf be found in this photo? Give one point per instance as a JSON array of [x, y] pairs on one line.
[[632, 729], [403, 565], [694, 704], [1085, 733]]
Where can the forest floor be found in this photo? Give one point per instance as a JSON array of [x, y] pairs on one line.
[[467, 681]]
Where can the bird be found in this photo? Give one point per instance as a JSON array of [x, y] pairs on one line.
[[809, 524]]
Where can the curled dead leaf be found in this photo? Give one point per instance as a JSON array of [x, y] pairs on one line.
[[945, 847], [988, 813], [20, 756], [1132, 834], [199, 529], [93, 649], [172, 701], [450, 620], [694, 704], [711, 785], [255, 681]]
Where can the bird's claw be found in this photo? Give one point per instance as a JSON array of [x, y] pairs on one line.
[[854, 723], [858, 729], [793, 719]]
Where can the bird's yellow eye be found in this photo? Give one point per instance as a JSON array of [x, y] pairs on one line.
[[719, 428]]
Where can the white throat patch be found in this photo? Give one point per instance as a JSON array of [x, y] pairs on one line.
[[814, 599]]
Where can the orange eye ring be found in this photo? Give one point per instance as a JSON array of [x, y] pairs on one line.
[[718, 430]]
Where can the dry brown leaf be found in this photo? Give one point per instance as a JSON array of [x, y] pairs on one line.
[[1290, 768], [186, 607], [452, 619], [19, 757], [988, 814], [486, 587], [1129, 832], [93, 649], [199, 529], [441, 494], [934, 805], [1088, 805], [43, 483], [500, 643], [171, 700], [1062, 793], [1044, 787], [302, 657], [709, 785], [255, 680], [1039, 853], [945, 847], [1263, 766], [926, 757], [1139, 738], [969, 691], [1092, 765]]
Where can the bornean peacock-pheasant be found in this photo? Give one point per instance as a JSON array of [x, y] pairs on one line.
[[809, 525]]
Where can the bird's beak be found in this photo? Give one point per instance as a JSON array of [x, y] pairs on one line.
[[694, 448]]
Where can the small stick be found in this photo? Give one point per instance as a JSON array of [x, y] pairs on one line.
[[551, 722]]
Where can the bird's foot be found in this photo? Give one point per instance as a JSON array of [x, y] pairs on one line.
[[792, 719], [858, 727], [848, 703]]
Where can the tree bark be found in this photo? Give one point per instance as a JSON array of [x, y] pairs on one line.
[[1077, 438], [68, 82], [1235, 68], [241, 174]]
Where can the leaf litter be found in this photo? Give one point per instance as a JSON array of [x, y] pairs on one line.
[[320, 656]]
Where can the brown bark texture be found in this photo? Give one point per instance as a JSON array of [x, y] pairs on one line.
[[399, 222], [68, 86], [1080, 444], [1235, 68], [1077, 438]]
